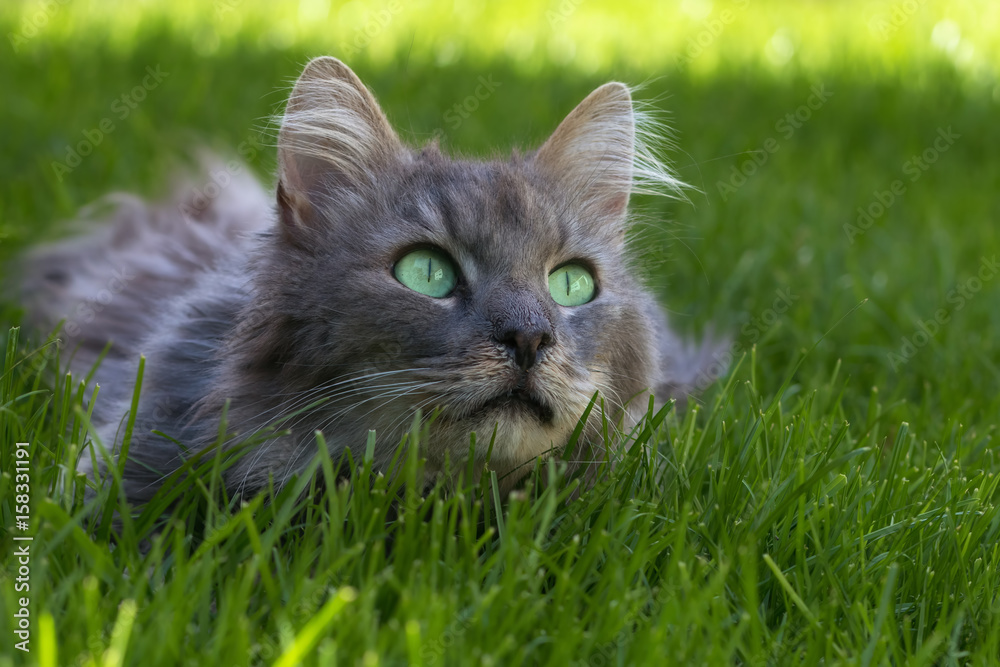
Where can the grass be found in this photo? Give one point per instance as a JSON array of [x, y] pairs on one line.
[[832, 498]]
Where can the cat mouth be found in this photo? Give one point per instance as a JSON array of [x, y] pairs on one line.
[[519, 401]]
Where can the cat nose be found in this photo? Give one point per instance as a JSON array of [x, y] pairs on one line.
[[523, 343]]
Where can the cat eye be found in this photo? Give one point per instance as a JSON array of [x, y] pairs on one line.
[[427, 271], [571, 285]]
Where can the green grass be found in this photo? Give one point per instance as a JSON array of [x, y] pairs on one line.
[[822, 502]]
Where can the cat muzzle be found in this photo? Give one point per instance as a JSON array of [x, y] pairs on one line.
[[520, 401]]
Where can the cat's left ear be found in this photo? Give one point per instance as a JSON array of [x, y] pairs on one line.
[[590, 154], [334, 142]]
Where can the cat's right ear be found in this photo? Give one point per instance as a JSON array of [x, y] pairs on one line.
[[591, 153], [333, 143]]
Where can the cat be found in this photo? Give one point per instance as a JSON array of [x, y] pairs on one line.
[[377, 281]]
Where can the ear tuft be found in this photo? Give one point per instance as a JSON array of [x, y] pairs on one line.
[[591, 152], [334, 140], [603, 151]]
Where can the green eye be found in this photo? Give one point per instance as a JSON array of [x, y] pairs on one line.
[[427, 271], [571, 285]]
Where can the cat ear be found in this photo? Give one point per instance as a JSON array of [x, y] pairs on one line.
[[590, 154], [334, 140]]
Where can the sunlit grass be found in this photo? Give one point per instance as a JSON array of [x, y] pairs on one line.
[[581, 35]]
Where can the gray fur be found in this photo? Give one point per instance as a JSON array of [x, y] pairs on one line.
[[308, 309]]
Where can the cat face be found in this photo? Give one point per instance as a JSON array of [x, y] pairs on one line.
[[527, 308]]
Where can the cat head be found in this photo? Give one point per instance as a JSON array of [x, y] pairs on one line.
[[498, 293]]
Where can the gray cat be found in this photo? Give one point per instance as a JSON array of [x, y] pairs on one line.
[[385, 280]]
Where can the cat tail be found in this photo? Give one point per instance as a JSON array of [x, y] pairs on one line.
[[686, 367], [111, 282]]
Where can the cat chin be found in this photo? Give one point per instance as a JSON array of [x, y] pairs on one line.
[[518, 405], [520, 438]]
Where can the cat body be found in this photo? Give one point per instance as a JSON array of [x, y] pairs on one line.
[[306, 316]]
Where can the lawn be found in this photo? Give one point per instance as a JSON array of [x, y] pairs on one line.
[[832, 497]]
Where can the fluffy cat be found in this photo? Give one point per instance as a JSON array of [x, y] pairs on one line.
[[316, 313]]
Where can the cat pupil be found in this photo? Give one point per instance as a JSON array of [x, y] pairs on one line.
[[567, 283]]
